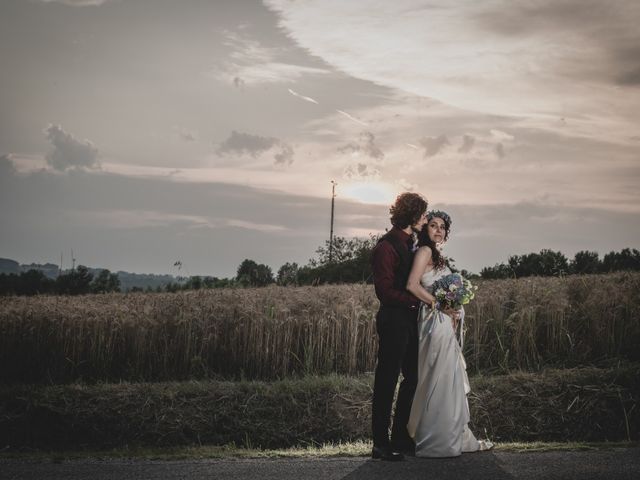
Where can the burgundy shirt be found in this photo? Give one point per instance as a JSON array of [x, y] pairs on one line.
[[384, 262]]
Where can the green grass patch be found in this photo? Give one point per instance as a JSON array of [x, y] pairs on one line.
[[582, 404], [347, 449]]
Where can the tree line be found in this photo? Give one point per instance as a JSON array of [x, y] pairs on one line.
[[350, 263], [75, 282], [550, 263]]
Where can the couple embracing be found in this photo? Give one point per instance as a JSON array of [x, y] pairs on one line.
[[418, 340]]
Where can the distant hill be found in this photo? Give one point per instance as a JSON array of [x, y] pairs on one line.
[[49, 269], [9, 266], [128, 280]]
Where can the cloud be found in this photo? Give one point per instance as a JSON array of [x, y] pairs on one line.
[[406, 185], [540, 60], [254, 145], [213, 224], [433, 145], [285, 156], [144, 223], [69, 152], [306, 99], [261, 227], [351, 117], [238, 82], [502, 136], [138, 218], [7, 167], [630, 77], [77, 3], [252, 63], [245, 143], [361, 171], [186, 134], [365, 144], [500, 150], [467, 144]]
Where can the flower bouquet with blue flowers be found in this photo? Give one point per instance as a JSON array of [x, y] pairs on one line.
[[453, 291]]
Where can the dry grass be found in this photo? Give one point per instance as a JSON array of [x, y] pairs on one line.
[[277, 332]]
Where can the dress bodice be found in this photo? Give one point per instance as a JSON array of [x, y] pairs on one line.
[[431, 276]]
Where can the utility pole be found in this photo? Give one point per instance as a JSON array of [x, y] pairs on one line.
[[333, 197]]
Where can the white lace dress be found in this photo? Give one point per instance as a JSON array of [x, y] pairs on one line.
[[440, 411]]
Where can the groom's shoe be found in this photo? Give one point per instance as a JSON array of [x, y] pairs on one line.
[[385, 453], [407, 446]]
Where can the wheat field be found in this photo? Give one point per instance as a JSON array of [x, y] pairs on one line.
[[276, 332]]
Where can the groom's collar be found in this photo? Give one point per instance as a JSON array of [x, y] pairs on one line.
[[401, 234]]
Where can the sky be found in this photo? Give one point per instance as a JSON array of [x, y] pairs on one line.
[[140, 133]]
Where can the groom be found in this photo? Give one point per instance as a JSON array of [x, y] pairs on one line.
[[396, 324]]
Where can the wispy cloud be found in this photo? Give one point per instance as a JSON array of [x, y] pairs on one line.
[[251, 63], [136, 219], [261, 227], [307, 99], [77, 3], [351, 117]]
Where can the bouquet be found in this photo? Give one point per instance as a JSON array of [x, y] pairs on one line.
[[453, 291]]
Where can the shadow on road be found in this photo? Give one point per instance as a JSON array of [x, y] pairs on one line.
[[470, 465]]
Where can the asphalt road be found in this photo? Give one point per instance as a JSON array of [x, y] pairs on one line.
[[622, 463]]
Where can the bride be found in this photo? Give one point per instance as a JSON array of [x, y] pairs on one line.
[[440, 411]]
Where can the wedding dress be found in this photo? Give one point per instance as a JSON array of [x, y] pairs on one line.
[[440, 410]]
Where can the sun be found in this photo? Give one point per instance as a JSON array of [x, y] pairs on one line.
[[369, 192]]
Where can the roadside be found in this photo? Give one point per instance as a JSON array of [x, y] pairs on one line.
[[613, 462], [204, 452]]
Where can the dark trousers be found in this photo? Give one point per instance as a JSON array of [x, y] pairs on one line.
[[397, 351]]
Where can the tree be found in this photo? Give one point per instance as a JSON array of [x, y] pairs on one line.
[[33, 282], [626, 259], [585, 262], [545, 263], [254, 275], [344, 250], [193, 283], [288, 274], [76, 282], [499, 270], [553, 263], [469, 275], [105, 282]]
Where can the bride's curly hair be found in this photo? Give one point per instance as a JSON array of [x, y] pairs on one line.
[[439, 260], [407, 209]]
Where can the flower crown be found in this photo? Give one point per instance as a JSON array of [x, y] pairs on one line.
[[440, 214]]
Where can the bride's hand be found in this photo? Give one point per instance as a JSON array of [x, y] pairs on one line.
[[455, 316]]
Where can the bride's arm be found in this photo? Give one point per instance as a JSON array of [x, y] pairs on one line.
[[420, 262]]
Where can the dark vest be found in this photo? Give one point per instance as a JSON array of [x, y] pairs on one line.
[[401, 272]]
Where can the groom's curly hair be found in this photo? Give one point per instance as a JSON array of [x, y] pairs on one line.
[[407, 209]]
